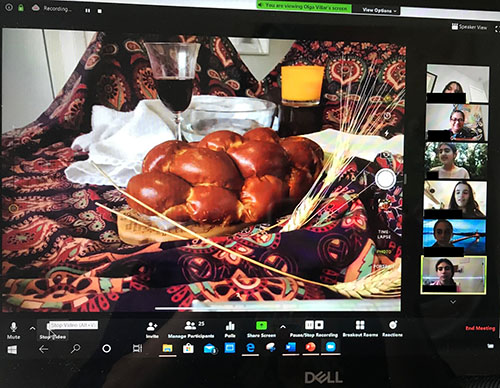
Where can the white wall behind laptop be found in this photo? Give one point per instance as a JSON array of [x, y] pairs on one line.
[[35, 66], [37, 63]]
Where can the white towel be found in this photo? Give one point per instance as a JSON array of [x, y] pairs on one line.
[[119, 141]]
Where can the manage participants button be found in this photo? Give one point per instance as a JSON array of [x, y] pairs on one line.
[[376, 9]]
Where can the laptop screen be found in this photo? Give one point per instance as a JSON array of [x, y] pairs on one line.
[[272, 193]]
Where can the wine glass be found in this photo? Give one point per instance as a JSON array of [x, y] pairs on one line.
[[173, 66]]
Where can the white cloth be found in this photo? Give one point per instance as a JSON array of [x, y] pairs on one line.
[[119, 141]]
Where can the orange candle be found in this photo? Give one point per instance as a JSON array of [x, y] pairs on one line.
[[301, 85]]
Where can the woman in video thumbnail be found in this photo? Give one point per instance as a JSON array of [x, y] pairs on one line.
[[457, 128], [463, 198], [443, 230], [447, 152], [445, 271], [453, 87]]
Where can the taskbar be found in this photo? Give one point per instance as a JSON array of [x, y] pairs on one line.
[[241, 337]]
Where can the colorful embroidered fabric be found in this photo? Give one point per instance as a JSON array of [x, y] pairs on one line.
[[61, 252]]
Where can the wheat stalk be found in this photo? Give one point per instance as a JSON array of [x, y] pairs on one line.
[[382, 283]]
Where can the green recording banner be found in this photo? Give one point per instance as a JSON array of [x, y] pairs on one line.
[[304, 6]]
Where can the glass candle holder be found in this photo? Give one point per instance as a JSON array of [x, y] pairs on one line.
[[301, 85]]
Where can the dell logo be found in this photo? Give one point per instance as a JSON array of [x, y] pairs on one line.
[[322, 377]]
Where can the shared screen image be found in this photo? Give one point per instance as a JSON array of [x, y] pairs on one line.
[[72, 241]]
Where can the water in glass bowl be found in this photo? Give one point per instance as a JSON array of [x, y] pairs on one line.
[[208, 114]]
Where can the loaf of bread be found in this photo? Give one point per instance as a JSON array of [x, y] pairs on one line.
[[227, 178]]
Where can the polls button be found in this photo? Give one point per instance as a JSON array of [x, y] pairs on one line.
[[385, 178], [106, 348]]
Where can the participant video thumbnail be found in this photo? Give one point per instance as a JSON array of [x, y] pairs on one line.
[[456, 122], [456, 160], [467, 197], [73, 241], [469, 234], [464, 275], [458, 84]]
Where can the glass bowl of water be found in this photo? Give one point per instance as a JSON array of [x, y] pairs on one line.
[[208, 114]]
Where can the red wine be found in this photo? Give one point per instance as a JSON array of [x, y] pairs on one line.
[[175, 93]]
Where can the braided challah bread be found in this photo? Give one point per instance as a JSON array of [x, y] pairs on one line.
[[226, 178]]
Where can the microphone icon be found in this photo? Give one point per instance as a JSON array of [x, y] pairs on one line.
[[13, 327]]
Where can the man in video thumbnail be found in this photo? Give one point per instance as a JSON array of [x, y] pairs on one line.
[[458, 130]]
